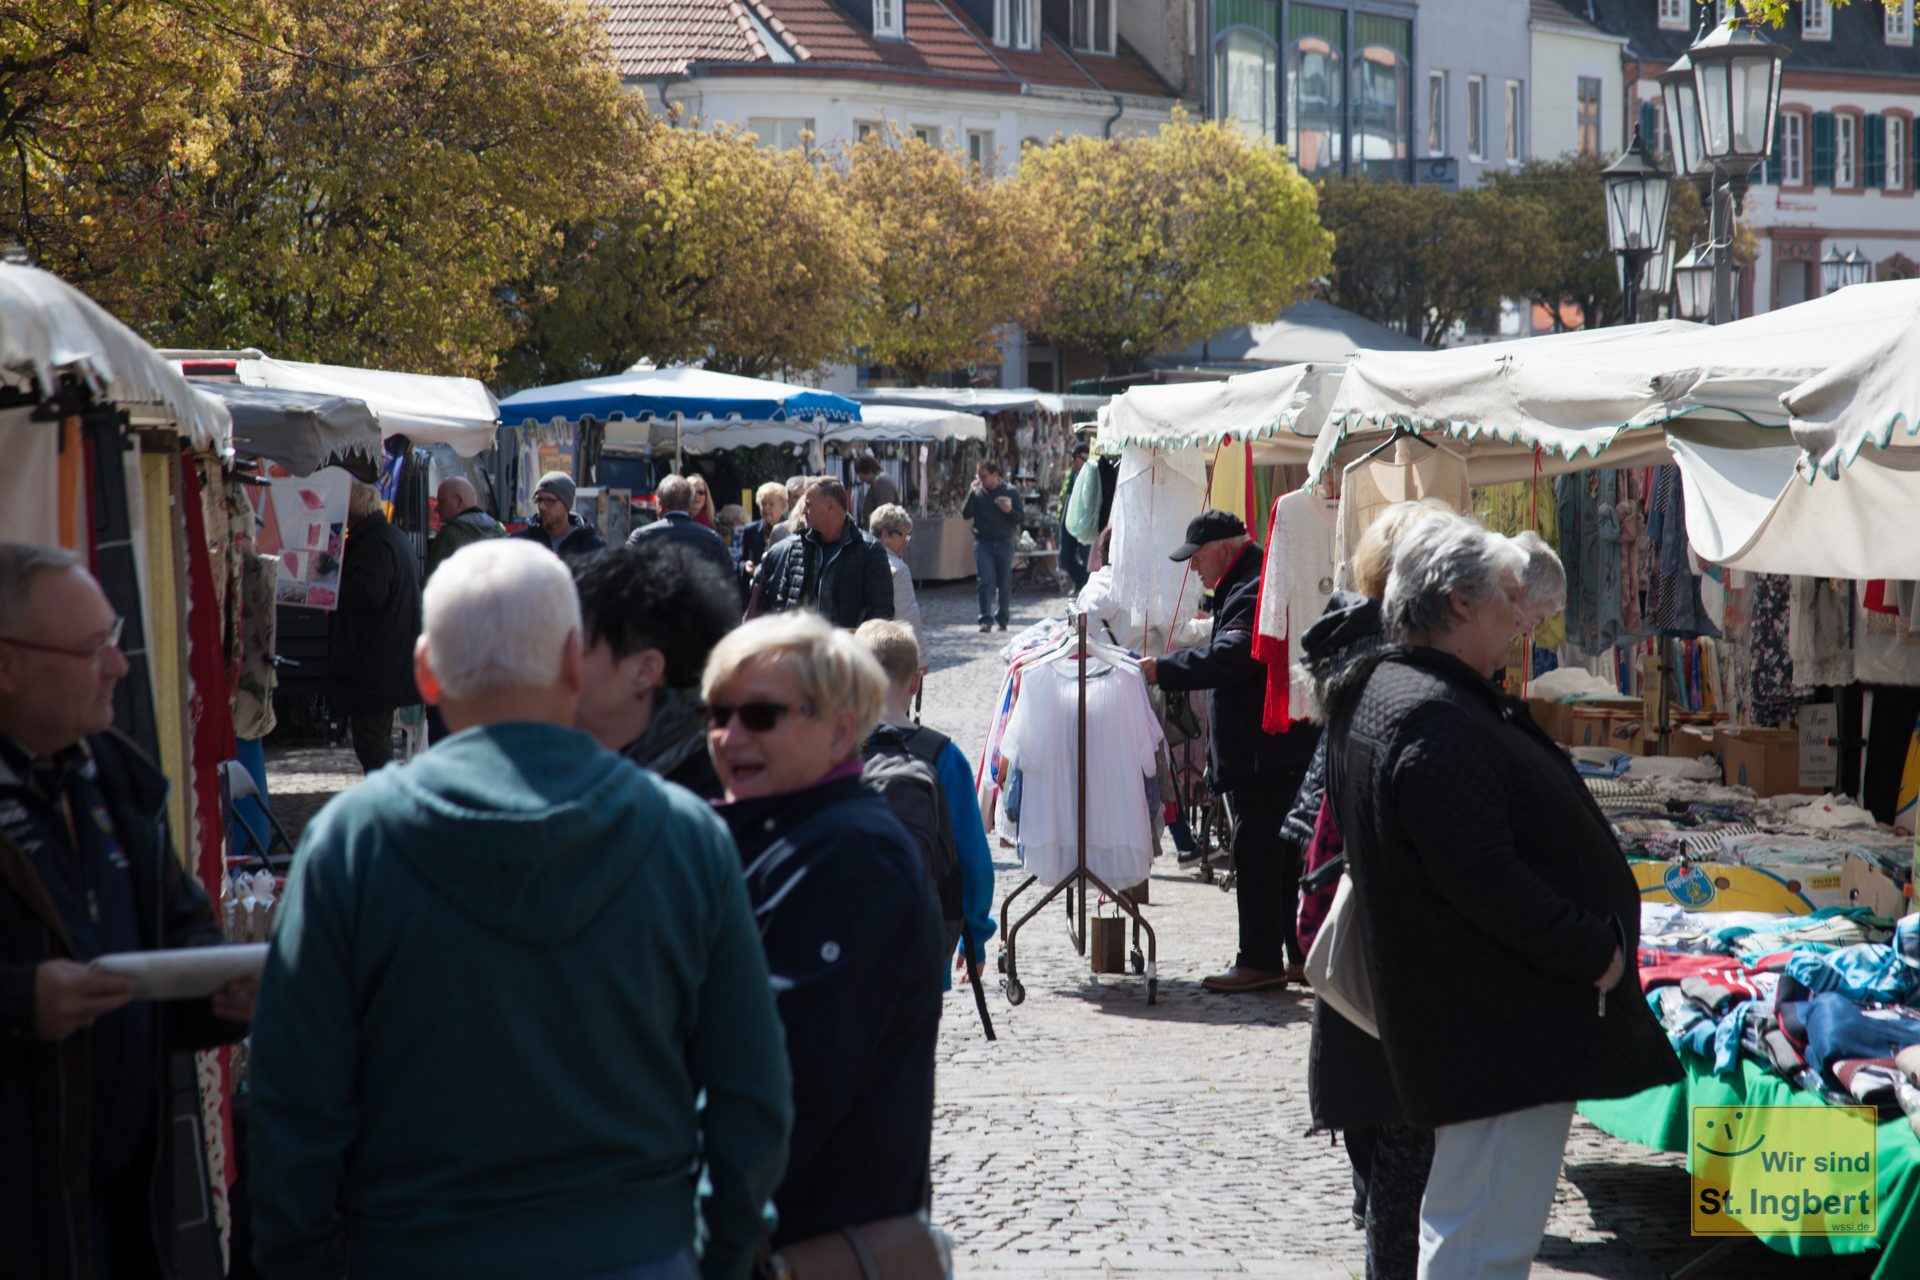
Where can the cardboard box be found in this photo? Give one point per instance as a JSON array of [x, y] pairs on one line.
[[1554, 718], [1589, 728], [1864, 885], [1768, 760]]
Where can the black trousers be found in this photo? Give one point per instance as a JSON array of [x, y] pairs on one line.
[[1073, 558], [373, 740], [1390, 1166], [1267, 872]]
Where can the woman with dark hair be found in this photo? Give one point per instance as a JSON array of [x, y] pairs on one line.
[[652, 613]]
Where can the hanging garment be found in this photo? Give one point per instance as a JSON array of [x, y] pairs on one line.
[[1083, 505], [1367, 488], [30, 482], [1631, 531], [1515, 506], [1680, 611], [1819, 632], [1042, 742], [1156, 495], [1609, 622], [1578, 498], [1295, 584], [1774, 698]]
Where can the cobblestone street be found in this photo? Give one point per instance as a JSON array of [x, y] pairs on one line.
[[1099, 1136]]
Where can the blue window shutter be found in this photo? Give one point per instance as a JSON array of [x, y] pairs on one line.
[[1776, 162], [1823, 148], [1875, 151], [1646, 124]]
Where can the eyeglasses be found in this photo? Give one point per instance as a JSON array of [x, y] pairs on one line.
[[93, 656], [755, 717]]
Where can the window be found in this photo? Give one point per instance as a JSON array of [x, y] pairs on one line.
[[1093, 26], [1316, 96], [1246, 72], [980, 149], [1586, 115], [1382, 91], [1846, 151], [1476, 117], [1899, 21], [864, 129], [927, 133], [1515, 143], [889, 18], [1016, 23], [781, 134], [1436, 113], [1816, 20], [1793, 149], [1896, 153], [1673, 14]]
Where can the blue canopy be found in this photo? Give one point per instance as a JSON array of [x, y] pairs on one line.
[[661, 393]]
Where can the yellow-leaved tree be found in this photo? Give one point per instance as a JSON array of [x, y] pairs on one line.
[[1180, 234], [962, 256]]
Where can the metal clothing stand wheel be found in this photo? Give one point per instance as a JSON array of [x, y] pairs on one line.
[[1079, 877]]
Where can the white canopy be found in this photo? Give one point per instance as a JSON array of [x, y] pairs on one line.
[[49, 327], [1280, 410], [424, 408], [1871, 395], [877, 422], [965, 399]]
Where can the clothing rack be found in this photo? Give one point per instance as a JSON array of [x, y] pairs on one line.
[[1080, 876]]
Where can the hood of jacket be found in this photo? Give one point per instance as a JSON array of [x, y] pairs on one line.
[[1339, 649], [528, 829], [675, 731]]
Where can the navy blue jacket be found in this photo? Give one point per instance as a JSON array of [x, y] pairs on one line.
[[681, 528], [582, 538], [853, 944]]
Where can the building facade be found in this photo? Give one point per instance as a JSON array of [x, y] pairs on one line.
[[1578, 82]]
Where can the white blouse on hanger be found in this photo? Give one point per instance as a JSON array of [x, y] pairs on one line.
[[1297, 578], [1370, 487]]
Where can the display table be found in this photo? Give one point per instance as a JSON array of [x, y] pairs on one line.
[[1658, 1118], [941, 550]]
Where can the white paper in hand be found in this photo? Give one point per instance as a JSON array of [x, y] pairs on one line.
[[187, 973]]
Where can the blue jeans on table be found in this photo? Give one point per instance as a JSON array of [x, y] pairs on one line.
[[993, 567]]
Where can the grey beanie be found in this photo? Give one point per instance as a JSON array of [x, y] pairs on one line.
[[559, 484]]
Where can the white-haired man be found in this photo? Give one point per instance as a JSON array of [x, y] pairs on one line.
[[501, 978]]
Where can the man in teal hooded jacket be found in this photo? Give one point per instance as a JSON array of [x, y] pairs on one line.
[[501, 979]]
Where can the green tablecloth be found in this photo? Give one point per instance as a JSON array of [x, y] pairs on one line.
[[1658, 1118]]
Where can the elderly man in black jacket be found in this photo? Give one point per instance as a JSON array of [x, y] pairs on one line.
[[1259, 772], [1476, 849], [370, 637], [90, 1115], [835, 568], [677, 525]]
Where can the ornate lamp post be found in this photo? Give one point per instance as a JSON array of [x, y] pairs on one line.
[[1693, 284], [1736, 79], [1637, 193], [1837, 272]]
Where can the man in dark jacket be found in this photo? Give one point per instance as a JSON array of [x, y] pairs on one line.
[[370, 637], [848, 920], [1258, 772], [461, 521], [677, 525], [835, 568], [997, 513], [556, 525], [1476, 849], [93, 1105], [877, 489]]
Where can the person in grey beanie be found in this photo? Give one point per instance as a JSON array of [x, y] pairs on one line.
[[555, 525]]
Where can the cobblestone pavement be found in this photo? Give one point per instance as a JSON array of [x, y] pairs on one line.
[[1098, 1136]]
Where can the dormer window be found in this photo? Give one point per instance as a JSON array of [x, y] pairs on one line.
[[1093, 26], [1899, 21], [1673, 15], [1016, 24], [889, 18], [1816, 20]]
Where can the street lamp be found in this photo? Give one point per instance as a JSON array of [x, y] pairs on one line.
[[1656, 280], [1837, 272], [1637, 193], [1683, 123], [1736, 79], [1693, 284]]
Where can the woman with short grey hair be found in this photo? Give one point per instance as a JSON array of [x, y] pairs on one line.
[[1487, 883], [891, 524], [1543, 584]]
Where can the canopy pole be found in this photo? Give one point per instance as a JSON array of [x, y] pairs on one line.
[[679, 459]]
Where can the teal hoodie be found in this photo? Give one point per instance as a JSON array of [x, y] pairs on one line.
[[501, 977]]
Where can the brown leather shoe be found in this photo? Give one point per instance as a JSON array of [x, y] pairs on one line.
[[1297, 973], [1239, 979]]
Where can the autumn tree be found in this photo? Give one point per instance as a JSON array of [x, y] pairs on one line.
[[1181, 234], [960, 256], [717, 251], [384, 165], [1422, 259]]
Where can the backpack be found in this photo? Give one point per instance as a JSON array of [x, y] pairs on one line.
[[905, 772]]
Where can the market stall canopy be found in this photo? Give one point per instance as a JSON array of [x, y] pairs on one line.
[[980, 400], [425, 408], [1280, 410], [877, 422], [48, 327], [300, 430], [1870, 397], [661, 393], [1313, 331]]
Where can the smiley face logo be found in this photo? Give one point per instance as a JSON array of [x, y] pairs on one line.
[[1725, 1132]]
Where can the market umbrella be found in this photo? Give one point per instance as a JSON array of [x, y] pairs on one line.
[[301, 430], [662, 393]]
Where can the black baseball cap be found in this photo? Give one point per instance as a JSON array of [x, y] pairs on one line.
[[1208, 526], [1080, 450]]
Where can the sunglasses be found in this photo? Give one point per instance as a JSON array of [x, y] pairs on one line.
[[755, 717]]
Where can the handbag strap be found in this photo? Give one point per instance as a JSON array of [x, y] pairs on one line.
[[862, 1253]]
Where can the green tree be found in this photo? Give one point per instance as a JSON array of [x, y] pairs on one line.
[[959, 256], [717, 250], [1421, 259], [1181, 234], [1575, 278], [384, 166]]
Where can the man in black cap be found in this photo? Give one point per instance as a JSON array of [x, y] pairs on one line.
[[555, 524], [1073, 552], [1258, 772]]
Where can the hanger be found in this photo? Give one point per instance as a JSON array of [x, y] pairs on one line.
[[1399, 434]]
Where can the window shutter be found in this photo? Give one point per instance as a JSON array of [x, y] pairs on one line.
[[1776, 162], [1646, 125], [1822, 149], [1875, 150]]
